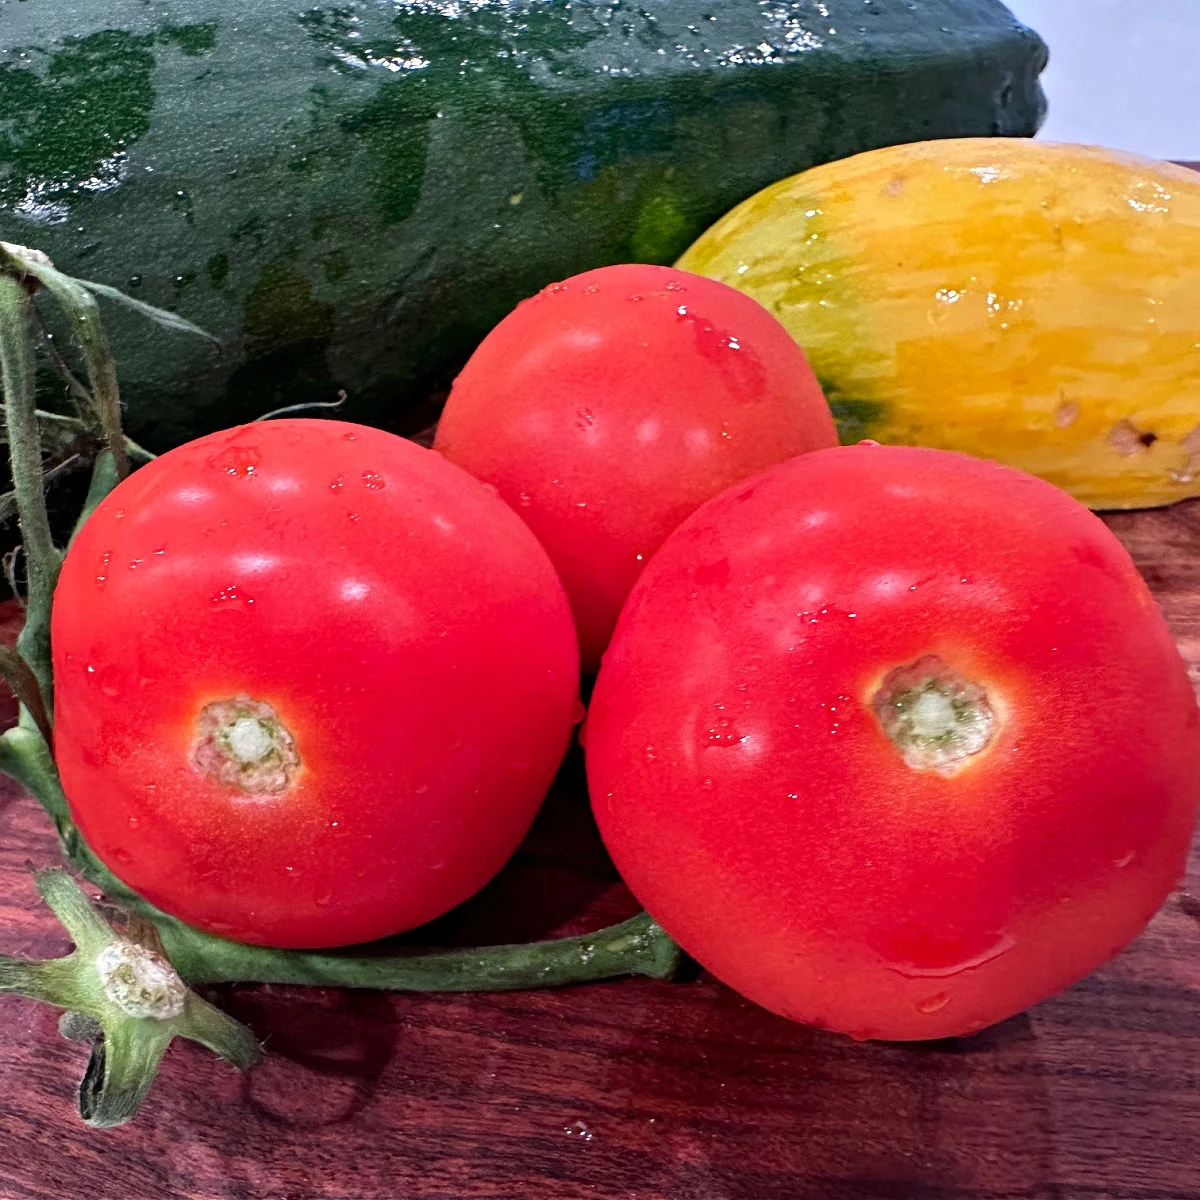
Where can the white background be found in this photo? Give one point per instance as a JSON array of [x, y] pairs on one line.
[[1123, 73]]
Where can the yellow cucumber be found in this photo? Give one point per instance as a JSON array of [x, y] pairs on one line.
[[1024, 301]]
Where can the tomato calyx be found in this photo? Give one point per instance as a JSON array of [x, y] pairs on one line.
[[936, 717], [121, 994], [244, 746]]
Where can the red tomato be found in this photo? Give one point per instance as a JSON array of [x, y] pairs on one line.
[[607, 408], [895, 742], [312, 682]]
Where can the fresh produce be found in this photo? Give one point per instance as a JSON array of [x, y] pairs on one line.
[[1027, 302], [611, 405], [351, 195], [312, 682], [895, 742]]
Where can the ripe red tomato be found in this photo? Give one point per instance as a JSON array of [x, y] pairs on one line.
[[607, 408], [312, 682], [895, 742]]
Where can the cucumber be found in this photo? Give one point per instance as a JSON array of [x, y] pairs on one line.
[[350, 196], [1022, 301]]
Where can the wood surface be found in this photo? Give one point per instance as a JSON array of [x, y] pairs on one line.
[[632, 1089]]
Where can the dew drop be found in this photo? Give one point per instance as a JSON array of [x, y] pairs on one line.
[[134, 822], [931, 1004], [374, 481], [337, 484], [110, 680], [122, 856], [233, 595]]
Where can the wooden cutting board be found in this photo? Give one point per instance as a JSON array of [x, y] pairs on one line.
[[632, 1089]]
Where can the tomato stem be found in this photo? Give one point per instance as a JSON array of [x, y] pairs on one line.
[[638, 946], [81, 309], [17, 372]]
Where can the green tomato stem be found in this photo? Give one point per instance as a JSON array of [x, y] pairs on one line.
[[84, 314], [634, 947], [17, 370], [638, 946]]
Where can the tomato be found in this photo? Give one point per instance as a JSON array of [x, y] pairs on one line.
[[608, 407], [895, 742], [312, 682]]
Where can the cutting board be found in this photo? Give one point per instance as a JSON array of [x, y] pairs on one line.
[[632, 1089]]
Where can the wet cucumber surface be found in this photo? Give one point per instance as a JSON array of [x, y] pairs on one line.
[[351, 195]]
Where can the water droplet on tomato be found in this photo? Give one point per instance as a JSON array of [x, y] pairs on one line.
[[337, 484], [706, 784], [578, 711], [374, 481], [742, 368], [584, 419], [324, 893], [110, 680], [122, 857], [118, 514], [158, 551], [524, 499], [134, 822], [1124, 860], [240, 462], [636, 299], [433, 861], [591, 290], [916, 956], [102, 568], [675, 286], [233, 595], [349, 437], [931, 1004], [722, 733], [649, 754]]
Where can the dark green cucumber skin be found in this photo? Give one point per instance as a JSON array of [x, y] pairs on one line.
[[351, 196]]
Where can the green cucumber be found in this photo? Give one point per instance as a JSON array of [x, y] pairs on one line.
[[351, 195]]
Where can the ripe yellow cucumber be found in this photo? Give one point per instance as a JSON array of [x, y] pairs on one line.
[[1034, 303]]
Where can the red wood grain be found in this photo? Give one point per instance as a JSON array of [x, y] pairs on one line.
[[633, 1089]]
